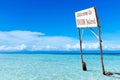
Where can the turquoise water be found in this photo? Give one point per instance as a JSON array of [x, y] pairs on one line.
[[56, 67]]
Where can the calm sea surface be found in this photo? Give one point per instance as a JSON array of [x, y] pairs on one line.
[[57, 67]]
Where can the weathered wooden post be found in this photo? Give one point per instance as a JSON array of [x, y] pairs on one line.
[[101, 56], [83, 63], [100, 43]]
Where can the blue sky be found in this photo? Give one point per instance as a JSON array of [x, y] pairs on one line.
[[50, 24]]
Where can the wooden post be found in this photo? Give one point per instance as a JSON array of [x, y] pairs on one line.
[[100, 43], [83, 63], [101, 55]]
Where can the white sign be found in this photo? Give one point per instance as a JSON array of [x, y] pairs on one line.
[[86, 18]]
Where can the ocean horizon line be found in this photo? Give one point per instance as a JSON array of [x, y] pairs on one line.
[[85, 52]]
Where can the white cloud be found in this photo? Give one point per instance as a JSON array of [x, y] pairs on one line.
[[13, 48], [111, 45], [27, 40]]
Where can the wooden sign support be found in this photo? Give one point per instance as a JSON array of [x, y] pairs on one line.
[[80, 39], [101, 56], [100, 44], [87, 19]]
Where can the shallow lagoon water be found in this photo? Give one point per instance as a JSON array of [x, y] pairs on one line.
[[57, 67]]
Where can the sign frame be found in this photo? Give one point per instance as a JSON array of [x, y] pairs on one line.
[[86, 18]]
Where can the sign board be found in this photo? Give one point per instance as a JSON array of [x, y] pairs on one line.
[[86, 18]]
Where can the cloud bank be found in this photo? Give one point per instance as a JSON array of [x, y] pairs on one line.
[[32, 41]]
